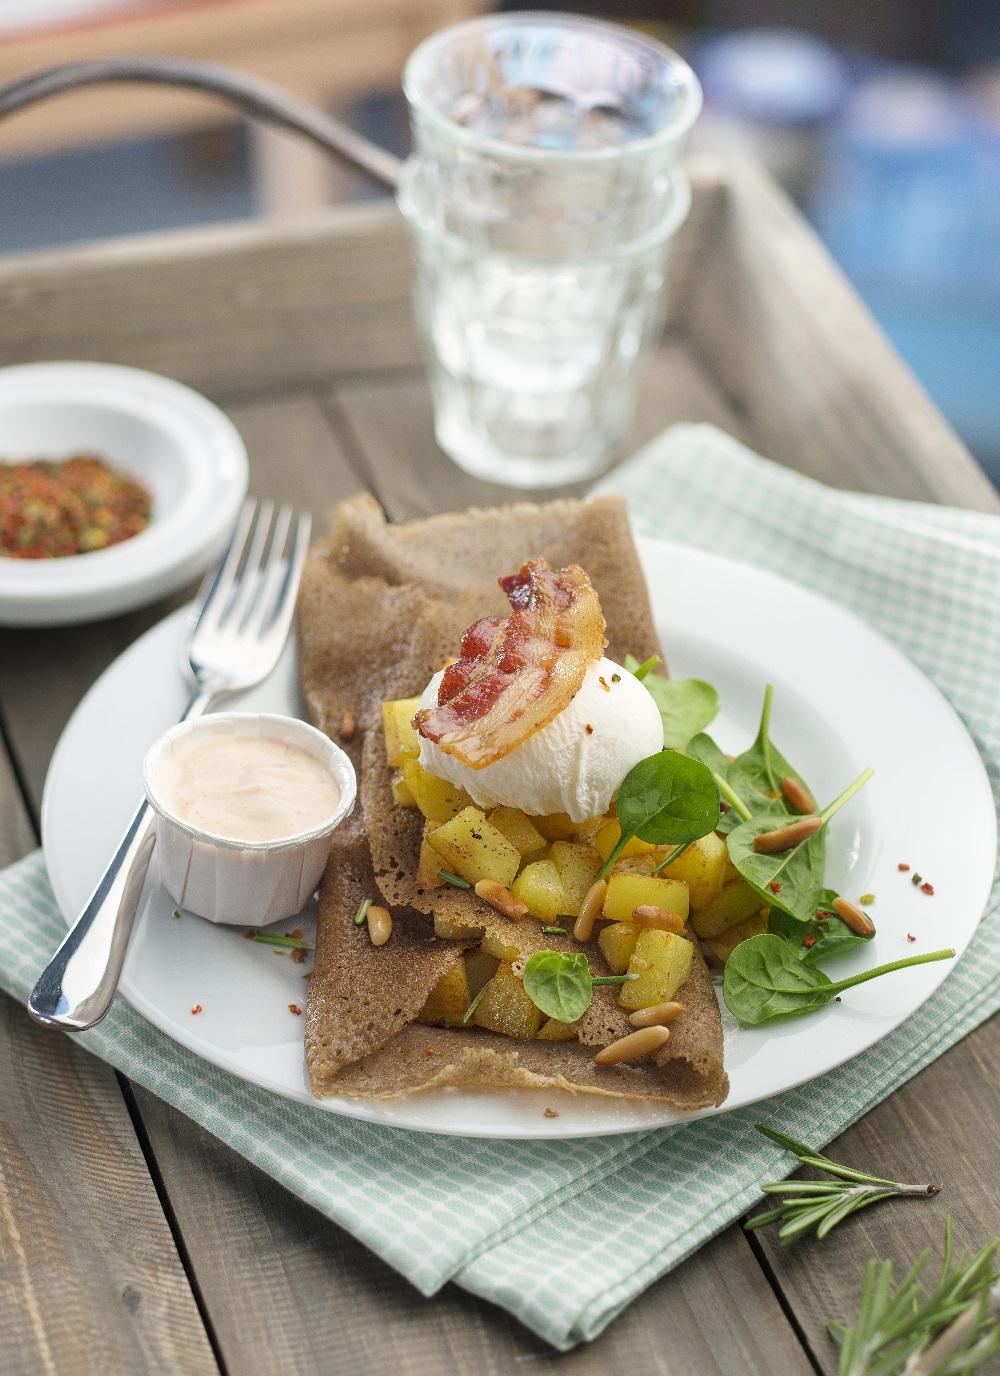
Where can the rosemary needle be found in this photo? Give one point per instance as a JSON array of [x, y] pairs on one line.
[[822, 1204]]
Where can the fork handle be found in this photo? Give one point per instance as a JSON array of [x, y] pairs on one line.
[[77, 986]]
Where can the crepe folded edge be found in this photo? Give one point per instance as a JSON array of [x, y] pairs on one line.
[[379, 612]]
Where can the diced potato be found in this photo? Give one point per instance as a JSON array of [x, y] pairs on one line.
[[609, 836], [449, 998], [480, 967], [539, 886], [401, 740], [736, 902], [474, 849], [723, 945], [639, 864], [626, 892], [617, 942], [519, 830], [451, 930], [556, 1031], [558, 826], [502, 947], [436, 798], [578, 867], [428, 869], [662, 961], [731, 871], [702, 868], [506, 1008], [402, 794]]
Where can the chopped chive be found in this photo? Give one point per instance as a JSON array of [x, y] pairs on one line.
[[554, 931], [867, 899], [474, 1004], [176, 913], [455, 880], [616, 678], [644, 669], [362, 912], [293, 943], [612, 979]]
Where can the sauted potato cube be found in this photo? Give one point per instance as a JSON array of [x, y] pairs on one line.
[[558, 826], [663, 962], [617, 942], [556, 1031], [474, 849], [736, 902], [626, 892], [539, 886], [401, 740], [578, 867], [609, 836], [506, 1008], [702, 868], [519, 830], [449, 998], [436, 798], [723, 945], [428, 869], [451, 930], [402, 794], [503, 947]]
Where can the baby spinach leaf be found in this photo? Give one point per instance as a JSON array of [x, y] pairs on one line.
[[798, 872], [665, 799], [765, 980], [702, 747], [756, 774], [559, 984], [686, 704], [831, 936]]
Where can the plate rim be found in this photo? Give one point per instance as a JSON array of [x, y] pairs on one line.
[[367, 1110]]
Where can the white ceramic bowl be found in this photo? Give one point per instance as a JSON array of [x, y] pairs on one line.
[[251, 883], [182, 447]]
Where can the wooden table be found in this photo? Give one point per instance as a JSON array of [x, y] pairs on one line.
[[133, 1241]]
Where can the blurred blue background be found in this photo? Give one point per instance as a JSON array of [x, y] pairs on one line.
[[882, 120]]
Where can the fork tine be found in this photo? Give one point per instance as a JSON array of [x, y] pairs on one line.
[[273, 574], [277, 631], [248, 585], [213, 595]]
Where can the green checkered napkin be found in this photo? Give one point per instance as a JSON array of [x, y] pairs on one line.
[[565, 1234]]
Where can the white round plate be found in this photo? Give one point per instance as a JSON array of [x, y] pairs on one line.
[[844, 698], [183, 448]]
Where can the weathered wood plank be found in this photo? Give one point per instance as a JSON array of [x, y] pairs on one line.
[[288, 1292], [793, 348], [940, 1127], [90, 1279]]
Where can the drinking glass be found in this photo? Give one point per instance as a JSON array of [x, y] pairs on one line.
[[542, 194]]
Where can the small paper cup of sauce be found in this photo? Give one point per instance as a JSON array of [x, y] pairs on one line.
[[245, 803]]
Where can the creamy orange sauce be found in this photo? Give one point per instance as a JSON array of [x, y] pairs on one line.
[[246, 788]]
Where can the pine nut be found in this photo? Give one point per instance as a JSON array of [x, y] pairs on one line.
[[590, 909], [348, 726], [796, 795], [853, 917], [650, 915], [491, 891], [770, 842], [634, 1046], [657, 1016], [379, 925]]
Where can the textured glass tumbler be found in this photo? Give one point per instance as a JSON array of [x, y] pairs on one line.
[[542, 195]]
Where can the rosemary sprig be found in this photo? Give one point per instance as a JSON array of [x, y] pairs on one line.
[[292, 943], [455, 880], [474, 1004], [902, 1332], [822, 1204], [554, 931], [362, 912]]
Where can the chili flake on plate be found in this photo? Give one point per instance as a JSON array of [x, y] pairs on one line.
[[50, 509]]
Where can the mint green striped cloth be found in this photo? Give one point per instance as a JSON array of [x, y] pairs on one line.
[[566, 1234]]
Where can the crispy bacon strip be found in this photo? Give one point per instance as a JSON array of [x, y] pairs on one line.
[[517, 672]]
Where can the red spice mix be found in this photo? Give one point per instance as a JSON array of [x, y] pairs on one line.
[[50, 509]]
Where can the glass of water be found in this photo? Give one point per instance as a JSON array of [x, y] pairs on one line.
[[542, 194]]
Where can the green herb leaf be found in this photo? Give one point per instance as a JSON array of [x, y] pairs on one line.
[[641, 670], [666, 799], [554, 931], [702, 747], [455, 880], [765, 980], [291, 943], [831, 935], [756, 774], [686, 705], [559, 984], [474, 1004]]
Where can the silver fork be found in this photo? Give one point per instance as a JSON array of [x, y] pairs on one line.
[[234, 636]]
